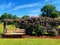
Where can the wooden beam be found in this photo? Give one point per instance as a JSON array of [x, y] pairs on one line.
[[4, 26]]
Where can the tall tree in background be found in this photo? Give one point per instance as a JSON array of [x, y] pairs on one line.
[[0, 18], [25, 16], [48, 9]]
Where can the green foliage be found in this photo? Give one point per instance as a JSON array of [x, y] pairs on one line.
[[31, 25], [7, 26], [25, 16], [48, 9], [40, 30], [0, 18], [53, 32], [15, 17], [9, 22], [54, 14], [1, 28], [8, 16], [36, 25]]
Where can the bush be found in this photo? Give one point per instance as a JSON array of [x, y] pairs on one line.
[[40, 30], [35, 25], [53, 32], [58, 31], [9, 22]]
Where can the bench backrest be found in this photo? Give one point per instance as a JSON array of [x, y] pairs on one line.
[[16, 31]]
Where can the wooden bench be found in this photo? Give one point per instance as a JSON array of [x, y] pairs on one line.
[[18, 32]]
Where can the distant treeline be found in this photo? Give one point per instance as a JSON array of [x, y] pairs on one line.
[[8, 16]]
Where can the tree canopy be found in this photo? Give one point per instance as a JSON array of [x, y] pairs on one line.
[[54, 14], [48, 9], [25, 16], [8, 16]]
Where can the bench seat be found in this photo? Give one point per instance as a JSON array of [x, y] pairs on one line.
[[14, 33]]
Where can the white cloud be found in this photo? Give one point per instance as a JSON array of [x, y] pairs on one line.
[[9, 5], [25, 6], [4, 6]]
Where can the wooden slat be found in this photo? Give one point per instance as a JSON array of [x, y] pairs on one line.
[[14, 34]]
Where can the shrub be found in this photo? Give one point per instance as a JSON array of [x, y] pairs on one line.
[[58, 31], [9, 22], [40, 30], [35, 25], [53, 32]]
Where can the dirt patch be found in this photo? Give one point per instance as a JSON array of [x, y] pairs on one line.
[[27, 36], [54, 37]]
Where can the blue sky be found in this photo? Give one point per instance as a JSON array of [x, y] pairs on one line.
[[25, 7]]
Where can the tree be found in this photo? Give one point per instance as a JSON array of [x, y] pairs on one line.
[[6, 16], [0, 18], [48, 9], [15, 17], [25, 16], [54, 14]]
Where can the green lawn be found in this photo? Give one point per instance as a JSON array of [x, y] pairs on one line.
[[1, 28], [30, 41]]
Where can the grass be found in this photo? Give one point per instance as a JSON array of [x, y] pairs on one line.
[[1, 28], [58, 26], [11, 27], [30, 41]]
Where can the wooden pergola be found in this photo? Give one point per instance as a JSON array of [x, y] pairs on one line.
[[16, 32]]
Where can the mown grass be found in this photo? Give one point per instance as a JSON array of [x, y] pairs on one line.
[[30, 41], [1, 28]]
